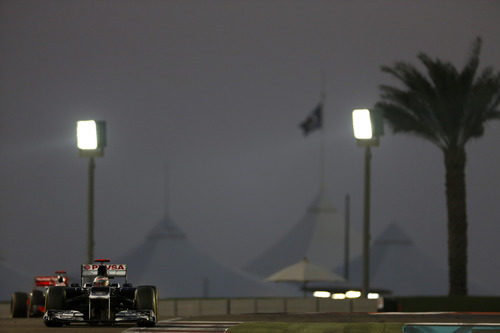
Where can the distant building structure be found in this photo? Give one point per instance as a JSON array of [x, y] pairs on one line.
[[318, 236], [168, 260], [397, 264]]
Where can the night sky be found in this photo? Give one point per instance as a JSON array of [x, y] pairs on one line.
[[202, 101]]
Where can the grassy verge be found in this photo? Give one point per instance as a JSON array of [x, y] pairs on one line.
[[280, 327]]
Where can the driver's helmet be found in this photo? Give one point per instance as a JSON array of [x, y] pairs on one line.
[[102, 271], [60, 281], [101, 281]]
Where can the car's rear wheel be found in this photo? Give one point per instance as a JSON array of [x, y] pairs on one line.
[[146, 298], [18, 305]]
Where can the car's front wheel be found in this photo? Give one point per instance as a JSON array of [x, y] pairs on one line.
[[146, 298], [36, 303], [55, 300]]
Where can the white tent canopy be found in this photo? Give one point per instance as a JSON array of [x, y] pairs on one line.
[[304, 271]]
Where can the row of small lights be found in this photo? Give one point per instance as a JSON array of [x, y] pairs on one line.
[[349, 294]]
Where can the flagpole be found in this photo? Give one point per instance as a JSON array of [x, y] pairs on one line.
[[322, 161], [313, 122], [166, 191], [346, 235], [322, 140]]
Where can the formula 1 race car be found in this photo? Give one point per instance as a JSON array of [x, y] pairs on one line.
[[33, 304], [101, 299]]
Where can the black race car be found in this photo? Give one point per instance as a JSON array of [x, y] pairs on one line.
[[101, 299]]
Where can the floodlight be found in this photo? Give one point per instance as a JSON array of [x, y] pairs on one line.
[[368, 127], [362, 125], [90, 141], [91, 137], [86, 134], [373, 296]]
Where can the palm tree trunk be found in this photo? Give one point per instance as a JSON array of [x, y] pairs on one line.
[[455, 160]]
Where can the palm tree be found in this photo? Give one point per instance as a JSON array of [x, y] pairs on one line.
[[448, 108]]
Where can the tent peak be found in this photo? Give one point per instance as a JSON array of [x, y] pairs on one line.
[[393, 235], [322, 204], [166, 229]]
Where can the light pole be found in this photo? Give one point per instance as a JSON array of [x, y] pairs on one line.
[[91, 140], [364, 134]]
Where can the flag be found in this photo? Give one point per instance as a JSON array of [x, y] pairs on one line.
[[314, 121]]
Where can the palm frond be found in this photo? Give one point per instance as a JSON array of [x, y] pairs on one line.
[[401, 120], [444, 105], [470, 69], [482, 104]]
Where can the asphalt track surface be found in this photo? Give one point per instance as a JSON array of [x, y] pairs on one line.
[[36, 325], [8, 325], [360, 317]]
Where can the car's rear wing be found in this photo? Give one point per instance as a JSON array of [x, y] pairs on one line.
[[48, 281], [113, 270]]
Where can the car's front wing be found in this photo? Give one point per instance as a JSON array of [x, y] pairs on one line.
[[142, 317]]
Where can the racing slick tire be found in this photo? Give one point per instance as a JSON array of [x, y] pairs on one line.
[[19, 305], [146, 298], [36, 303], [55, 299]]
